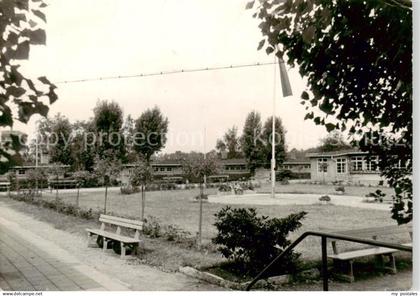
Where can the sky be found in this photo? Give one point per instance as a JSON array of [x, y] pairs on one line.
[[97, 38]]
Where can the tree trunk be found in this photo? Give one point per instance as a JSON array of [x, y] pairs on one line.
[[106, 197], [200, 217], [77, 198], [143, 202], [56, 193]]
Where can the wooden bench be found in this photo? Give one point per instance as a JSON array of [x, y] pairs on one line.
[[109, 236], [378, 252]]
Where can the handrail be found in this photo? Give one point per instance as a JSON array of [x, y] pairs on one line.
[[324, 236]]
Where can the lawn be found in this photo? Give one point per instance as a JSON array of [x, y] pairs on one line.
[[177, 207]]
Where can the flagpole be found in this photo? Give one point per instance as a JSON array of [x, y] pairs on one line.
[[273, 137], [286, 91]]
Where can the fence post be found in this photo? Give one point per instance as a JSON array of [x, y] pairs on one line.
[[324, 263]]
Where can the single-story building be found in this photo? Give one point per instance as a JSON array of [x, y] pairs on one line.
[[301, 169], [353, 166]]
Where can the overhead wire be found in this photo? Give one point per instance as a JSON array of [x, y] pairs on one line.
[[161, 73]]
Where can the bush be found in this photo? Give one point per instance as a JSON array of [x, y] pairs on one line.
[[378, 195], [174, 233], [340, 189], [168, 186], [203, 197], [325, 198], [284, 174], [151, 227], [251, 242], [225, 188], [129, 189]]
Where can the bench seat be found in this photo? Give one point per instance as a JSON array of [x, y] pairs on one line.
[[362, 253], [114, 236]]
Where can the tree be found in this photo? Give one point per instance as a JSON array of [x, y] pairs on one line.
[[280, 142], [150, 133], [220, 146], [251, 142], [108, 120], [141, 175], [232, 142], [83, 145], [199, 168], [334, 142], [56, 136], [20, 27], [357, 59], [128, 131], [108, 169]]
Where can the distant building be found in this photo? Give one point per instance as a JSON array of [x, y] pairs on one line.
[[300, 169], [352, 166], [232, 170]]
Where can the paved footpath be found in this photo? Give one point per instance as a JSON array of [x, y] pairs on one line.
[[29, 262]]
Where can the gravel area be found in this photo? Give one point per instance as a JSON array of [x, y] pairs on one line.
[[296, 199]]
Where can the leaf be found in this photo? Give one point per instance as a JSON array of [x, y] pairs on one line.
[[261, 44], [308, 34], [39, 14], [38, 37], [250, 5], [15, 91], [305, 96], [44, 80], [22, 51], [269, 49], [309, 116], [330, 127]]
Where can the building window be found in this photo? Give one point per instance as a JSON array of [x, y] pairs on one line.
[[21, 172], [372, 163], [341, 165], [169, 169], [156, 169], [322, 165], [357, 163], [162, 169]]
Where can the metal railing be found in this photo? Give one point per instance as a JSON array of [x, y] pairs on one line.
[[324, 236]]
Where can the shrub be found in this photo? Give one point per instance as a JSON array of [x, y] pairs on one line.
[[325, 198], [129, 189], [340, 189], [285, 181], [152, 227], [174, 233], [224, 188], [284, 174], [71, 210], [168, 186], [378, 195], [203, 197], [251, 242], [86, 214]]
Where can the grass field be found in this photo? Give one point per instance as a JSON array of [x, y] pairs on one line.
[[177, 207]]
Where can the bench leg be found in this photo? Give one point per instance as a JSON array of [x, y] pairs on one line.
[[351, 274], [393, 266], [105, 245], [122, 250]]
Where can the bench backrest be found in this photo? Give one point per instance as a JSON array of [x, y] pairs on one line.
[[121, 222], [374, 233]]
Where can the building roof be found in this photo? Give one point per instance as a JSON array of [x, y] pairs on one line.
[[291, 162], [336, 153], [239, 161]]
